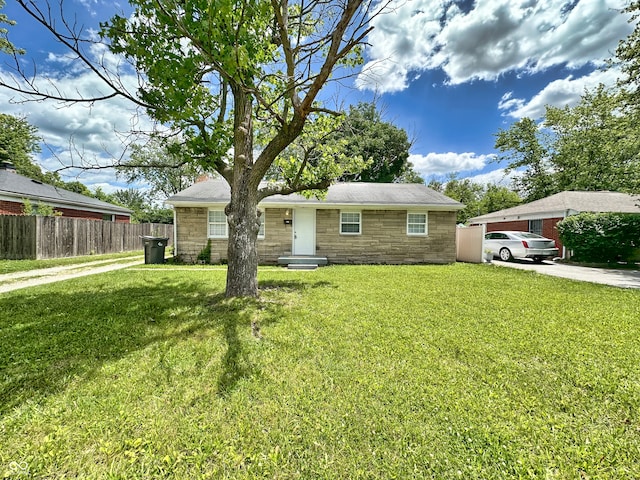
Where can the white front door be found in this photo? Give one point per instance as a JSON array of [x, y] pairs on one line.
[[304, 231]]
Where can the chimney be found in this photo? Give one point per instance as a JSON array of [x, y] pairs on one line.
[[8, 166]]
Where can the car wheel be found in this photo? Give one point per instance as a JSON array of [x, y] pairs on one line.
[[505, 255]]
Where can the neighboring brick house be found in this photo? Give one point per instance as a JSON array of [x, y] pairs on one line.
[[355, 223], [541, 216], [15, 188]]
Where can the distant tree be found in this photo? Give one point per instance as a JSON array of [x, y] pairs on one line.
[[477, 198], [164, 165], [467, 192], [131, 198], [19, 141], [381, 143], [156, 214], [410, 175], [77, 187], [100, 194], [596, 144], [524, 146], [145, 208], [436, 185], [496, 198], [5, 45], [627, 56]]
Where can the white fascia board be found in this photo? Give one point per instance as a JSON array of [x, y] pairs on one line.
[[54, 204], [524, 216], [326, 206]]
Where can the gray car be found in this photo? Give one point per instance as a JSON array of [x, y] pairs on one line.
[[509, 245]]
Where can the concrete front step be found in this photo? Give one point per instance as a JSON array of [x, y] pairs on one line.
[[302, 266], [303, 260]]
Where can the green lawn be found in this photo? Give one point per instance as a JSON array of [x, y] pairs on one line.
[[12, 266], [440, 372]]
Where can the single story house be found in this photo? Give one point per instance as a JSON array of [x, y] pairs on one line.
[[15, 188], [355, 223], [541, 216]]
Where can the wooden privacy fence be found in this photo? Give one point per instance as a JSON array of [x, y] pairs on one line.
[[37, 237]]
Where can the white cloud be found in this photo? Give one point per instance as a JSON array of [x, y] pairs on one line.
[[78, 134], [441, 163], [494, 37], [559, 93], [495, 177]]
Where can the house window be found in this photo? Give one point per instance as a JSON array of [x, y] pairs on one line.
[[217, 224], [535, 226], [350, 223], [261, 231], [416, 223]]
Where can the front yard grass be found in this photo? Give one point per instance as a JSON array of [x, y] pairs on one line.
[[456, 371]]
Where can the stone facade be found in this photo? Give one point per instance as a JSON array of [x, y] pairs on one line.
[[383, 237]]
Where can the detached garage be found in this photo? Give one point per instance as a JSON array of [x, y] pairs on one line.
[[542, 216]]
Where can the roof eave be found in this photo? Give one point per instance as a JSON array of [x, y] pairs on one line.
[[56, 202], [325, 205]]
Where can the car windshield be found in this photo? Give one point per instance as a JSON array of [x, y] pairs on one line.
[[529, 235]]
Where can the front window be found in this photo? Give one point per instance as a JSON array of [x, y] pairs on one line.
[[217, 224], [535, 226], [350, 223], [416, 223], [261, 231], [219, 228]]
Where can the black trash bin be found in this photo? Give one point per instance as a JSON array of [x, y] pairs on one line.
[[154, 249]]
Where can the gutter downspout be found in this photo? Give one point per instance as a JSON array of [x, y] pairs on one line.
[[564, 249], [175, 234]]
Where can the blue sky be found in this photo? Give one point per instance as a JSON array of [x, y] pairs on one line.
[[452, 73]]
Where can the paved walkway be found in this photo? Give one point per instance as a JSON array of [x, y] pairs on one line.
[[609, 276], [43, 276]]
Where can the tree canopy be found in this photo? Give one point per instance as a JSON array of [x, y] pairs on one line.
[[19, 142], [477, 198], [627, 55], [591, 146], [383, 145], [5, 45], [164, 165], [239, 81]]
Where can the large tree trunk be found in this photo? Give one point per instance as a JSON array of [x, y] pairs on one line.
[[242, 211], [242, 216]]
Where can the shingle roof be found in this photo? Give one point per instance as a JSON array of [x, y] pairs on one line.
[[355, 193], [19, 187], [570, 202]]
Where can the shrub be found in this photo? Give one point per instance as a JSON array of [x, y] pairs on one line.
[[601, 237], [205, 255]]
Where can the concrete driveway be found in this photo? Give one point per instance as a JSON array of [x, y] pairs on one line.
[[616, 277], [32, 278]]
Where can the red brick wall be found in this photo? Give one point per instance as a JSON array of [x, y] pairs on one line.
[[549, 229], [15, 208], [516, 225], [10, 208], [70, 212]]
